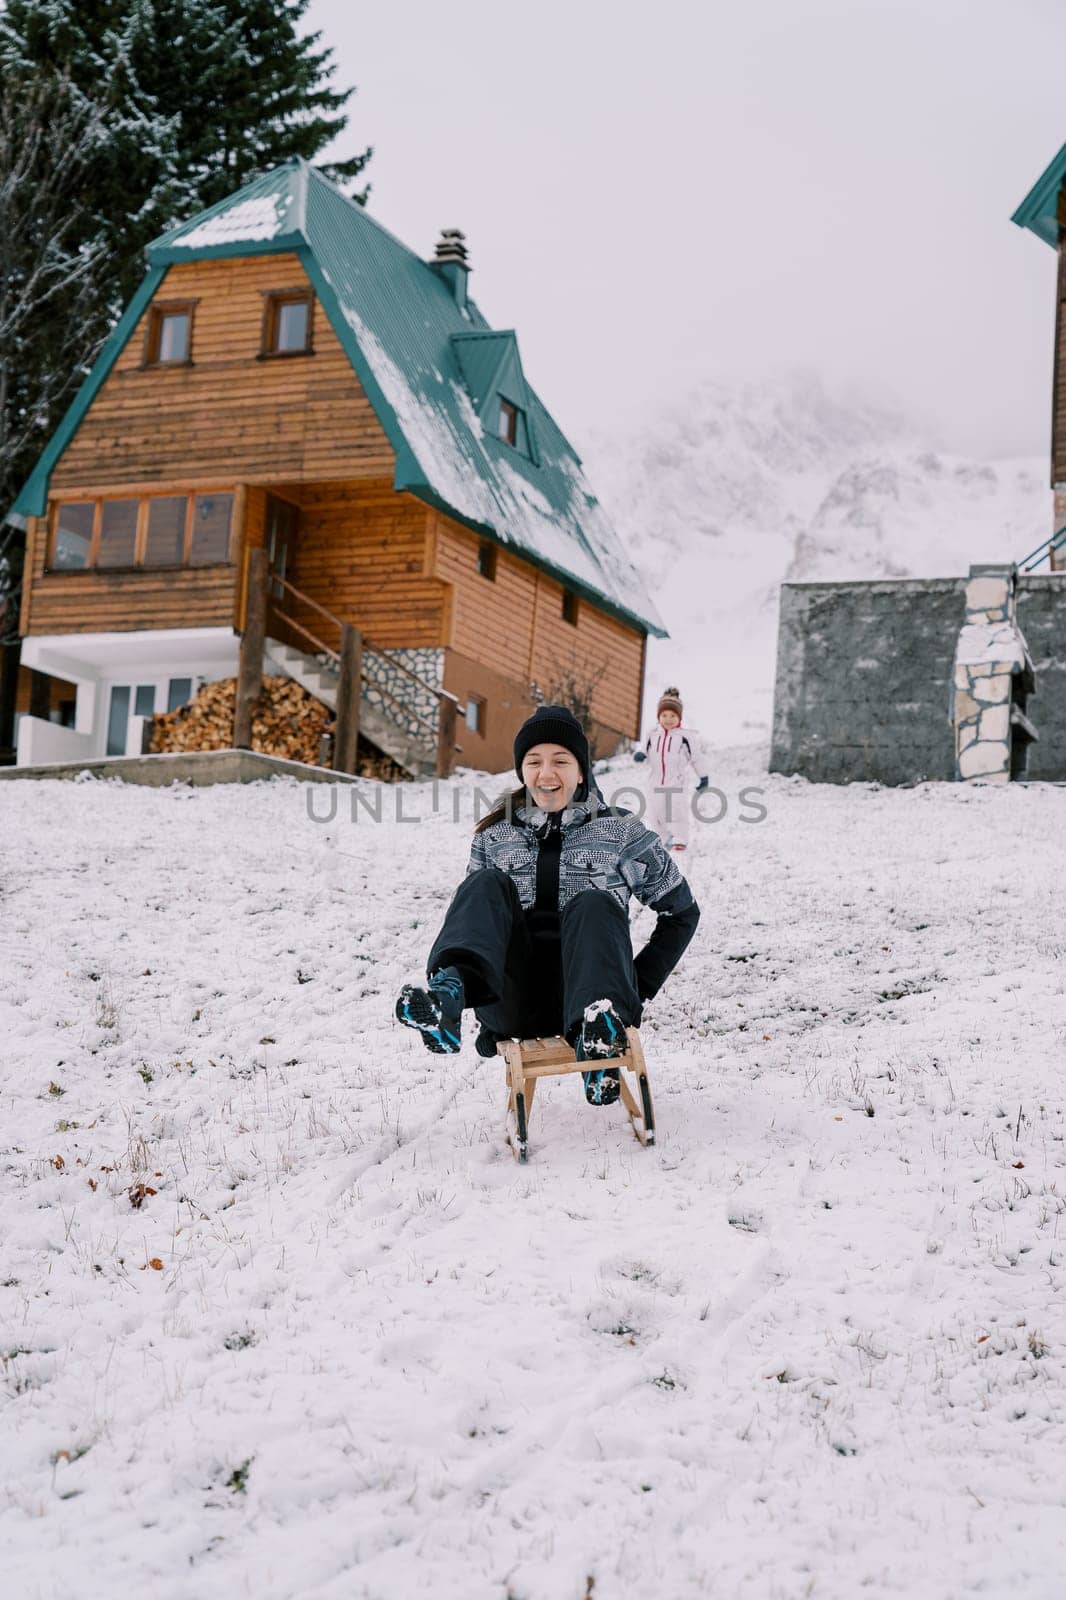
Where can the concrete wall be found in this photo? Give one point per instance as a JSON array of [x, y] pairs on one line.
[[40, 742], [200, 768], [864, 673]]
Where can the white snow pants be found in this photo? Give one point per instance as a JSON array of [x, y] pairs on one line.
[[669, 811]]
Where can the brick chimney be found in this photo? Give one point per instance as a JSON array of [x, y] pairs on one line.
[[450, 263]]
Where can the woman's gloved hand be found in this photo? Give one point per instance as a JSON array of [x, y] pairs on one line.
[[639, 755]]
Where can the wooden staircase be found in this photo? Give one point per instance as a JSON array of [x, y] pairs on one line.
[[344, 672], [321, 677]]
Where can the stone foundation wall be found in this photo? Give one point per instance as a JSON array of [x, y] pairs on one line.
[[1042, 618], [864, 681], [384, 667]]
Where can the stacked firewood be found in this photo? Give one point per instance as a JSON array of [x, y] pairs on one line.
[[286, 721], [370, 762]]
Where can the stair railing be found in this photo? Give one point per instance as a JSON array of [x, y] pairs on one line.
[[1043, 552], [407, 711], [351, 661], [321, 648]]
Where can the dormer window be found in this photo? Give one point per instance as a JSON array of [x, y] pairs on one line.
[[491, 369], [287, 323], [169, 342], [508, 427]]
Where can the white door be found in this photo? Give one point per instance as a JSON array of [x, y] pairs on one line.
[[130, 705]]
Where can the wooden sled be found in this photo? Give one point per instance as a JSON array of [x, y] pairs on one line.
[[530, 1059]]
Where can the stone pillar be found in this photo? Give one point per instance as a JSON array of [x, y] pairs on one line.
[[990, 655]]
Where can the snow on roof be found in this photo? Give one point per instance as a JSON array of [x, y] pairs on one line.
[[442, 453], [259, 218], [490, 490]]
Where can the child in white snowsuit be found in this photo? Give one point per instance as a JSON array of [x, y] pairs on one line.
[[673, 751], [536, 940]]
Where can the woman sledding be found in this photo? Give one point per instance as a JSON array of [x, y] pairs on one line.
[[536, 939]]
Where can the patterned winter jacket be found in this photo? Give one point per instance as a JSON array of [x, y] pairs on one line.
[[601, 847]]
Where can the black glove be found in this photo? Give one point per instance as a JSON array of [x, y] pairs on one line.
[[704, 783], [639, 755]]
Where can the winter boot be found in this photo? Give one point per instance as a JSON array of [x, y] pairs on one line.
[[435, 1011], [602, 1035], [486, 1042]]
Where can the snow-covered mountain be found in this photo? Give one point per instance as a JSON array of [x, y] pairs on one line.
[[740, 486], [923, 515]]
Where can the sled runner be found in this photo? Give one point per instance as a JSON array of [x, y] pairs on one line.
[[530, 1059]]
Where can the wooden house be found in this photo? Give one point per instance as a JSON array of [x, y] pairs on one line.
[[1043, 212], [291, 379]]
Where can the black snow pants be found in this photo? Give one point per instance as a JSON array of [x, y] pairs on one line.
[[528, 974]]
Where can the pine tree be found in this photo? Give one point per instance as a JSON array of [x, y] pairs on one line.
[[51, 321], [143, 112], [199, 96]]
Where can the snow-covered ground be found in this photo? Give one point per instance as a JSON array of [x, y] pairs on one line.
[[742, 485], [281, 1316]]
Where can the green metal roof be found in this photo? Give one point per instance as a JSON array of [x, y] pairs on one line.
[[430, 368], [482, 357], [492, 371], [1039, 210]]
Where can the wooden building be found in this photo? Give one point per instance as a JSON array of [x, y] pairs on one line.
[[291, 378], [1043, 212]]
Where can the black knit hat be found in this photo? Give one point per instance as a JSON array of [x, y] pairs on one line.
[[553, 725]]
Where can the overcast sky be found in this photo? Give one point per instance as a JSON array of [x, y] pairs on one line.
[[652, 193]]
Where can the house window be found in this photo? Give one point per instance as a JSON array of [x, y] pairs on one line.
[[169, 341], [287, 323], [210, 529], [570, 607], [486, 560], [179, 693], [158, 531], [118, 533], [144, 700], [508, 428], [73, 536], [118, 717], [164, 540], [475, 713]]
